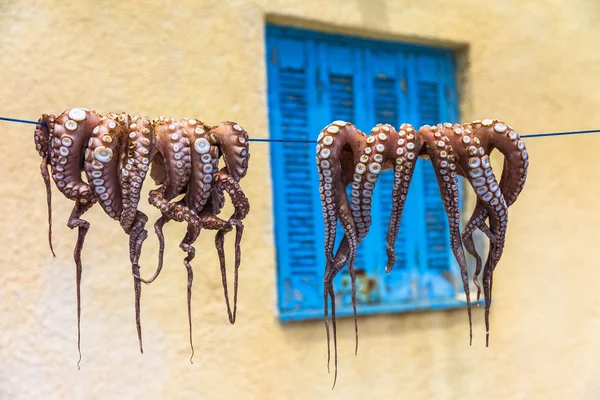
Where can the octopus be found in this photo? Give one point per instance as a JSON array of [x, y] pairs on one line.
[[346, 156], [195, 175], [115, 153]]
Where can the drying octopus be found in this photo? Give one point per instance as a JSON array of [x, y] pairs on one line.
[[116, 153], [346, 156]]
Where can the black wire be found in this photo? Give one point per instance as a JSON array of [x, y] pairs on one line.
[[532, 135]]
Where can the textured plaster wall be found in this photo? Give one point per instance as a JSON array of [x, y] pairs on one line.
[[533, 64]]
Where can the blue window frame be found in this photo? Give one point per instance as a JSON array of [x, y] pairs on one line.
[[313, 79]]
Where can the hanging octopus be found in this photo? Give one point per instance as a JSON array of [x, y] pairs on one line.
[[195, 174], [345, 155], [79, 139], [116, 152]]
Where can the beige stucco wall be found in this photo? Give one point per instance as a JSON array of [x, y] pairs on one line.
[[534, 64]]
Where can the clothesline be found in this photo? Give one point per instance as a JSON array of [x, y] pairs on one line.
[[532, 135]]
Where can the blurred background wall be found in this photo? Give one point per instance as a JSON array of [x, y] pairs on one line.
[[535, 65]]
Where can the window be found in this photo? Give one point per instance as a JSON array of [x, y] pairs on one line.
[[316, 78]]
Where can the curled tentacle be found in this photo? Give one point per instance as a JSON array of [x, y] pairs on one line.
[[102, 159], [158, 228], [497, 135]]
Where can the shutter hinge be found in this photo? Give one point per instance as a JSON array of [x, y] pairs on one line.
[[403, 85], [274, 56]]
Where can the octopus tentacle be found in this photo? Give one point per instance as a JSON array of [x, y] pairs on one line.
[[232, 143], [334, 329], [134, 167], [475, 165], [476, 221], [404, 152], [108, 149], [186, 246], [366, 173], [102, 162], [158, 228], [172, 211], [181, 213], [136, 239], [171, 169], [219, 245], [46, 177], [443, 159], [70, 134], [82, 226], [340, 142], [496, 134], [175, 168], [347, 222], [239, 231], [226, 183], [204, 163], [134, 164], [41, 138]]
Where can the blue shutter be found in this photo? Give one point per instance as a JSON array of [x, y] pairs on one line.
[[435, 281], [296, 204], [314, 79]]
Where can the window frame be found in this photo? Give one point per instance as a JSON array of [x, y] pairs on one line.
[[278, 32]]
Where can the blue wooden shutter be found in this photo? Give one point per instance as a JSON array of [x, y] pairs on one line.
[[436, 258], [296, 202], [314, 79]]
